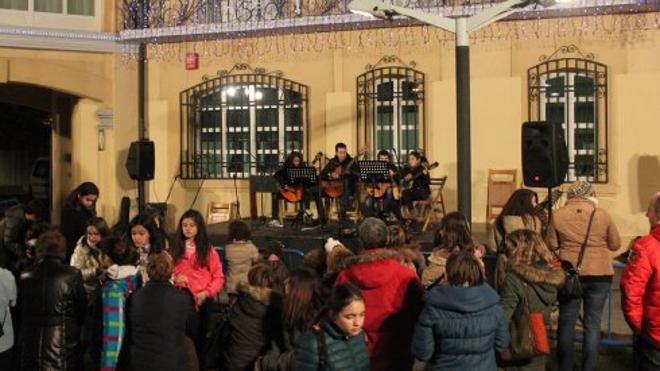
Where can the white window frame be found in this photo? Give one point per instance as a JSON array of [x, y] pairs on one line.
[[569, 125], [63, 21], [397, 103], [253, 105]]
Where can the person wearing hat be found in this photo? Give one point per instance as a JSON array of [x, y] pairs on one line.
[[569, 228]]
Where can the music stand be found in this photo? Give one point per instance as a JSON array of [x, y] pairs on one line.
[[302, 176], [374, 171]]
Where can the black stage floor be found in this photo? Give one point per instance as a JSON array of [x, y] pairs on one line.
[[304, 241]]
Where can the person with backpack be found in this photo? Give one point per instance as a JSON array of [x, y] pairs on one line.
[[530, 286], [337, 342]]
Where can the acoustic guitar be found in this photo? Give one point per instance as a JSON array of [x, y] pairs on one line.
[[295, 193], [406, 184], [334, 187], [378, 190]]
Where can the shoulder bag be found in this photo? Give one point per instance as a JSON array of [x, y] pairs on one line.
[[572, 288], [529, 336]]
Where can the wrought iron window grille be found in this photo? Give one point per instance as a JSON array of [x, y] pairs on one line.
[[241, 122], [569, 87], [390, 107]]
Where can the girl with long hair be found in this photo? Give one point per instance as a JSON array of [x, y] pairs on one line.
[[337, 342], [145, 239], [518, 213], [453, 236], [86, 256], [198, 269], [255, 319], [303, 303], [530, 275], [78, 208]]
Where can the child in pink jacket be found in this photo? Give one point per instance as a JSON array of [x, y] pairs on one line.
[[198, 269]]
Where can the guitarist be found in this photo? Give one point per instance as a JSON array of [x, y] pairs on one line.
[[349, 177], [416, 172], [389, 204], [294, 160]]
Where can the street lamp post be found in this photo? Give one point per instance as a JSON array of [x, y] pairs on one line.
[[462, 26]]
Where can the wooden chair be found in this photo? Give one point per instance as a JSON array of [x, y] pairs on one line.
[[285, 213], [219, 212], [501, 184], [434, 206]]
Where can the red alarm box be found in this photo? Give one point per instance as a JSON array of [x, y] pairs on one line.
[[192, 61]]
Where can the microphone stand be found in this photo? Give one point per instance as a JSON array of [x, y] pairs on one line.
[[238, 200]]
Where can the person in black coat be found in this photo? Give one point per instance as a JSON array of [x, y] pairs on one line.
[[255, 319], [78, 208], [52, 306], [157, 321]]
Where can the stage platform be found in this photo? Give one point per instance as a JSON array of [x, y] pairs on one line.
[[304, 241]]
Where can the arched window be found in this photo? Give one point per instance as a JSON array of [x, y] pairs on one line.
[[237, 125], [573, 92], [391, 108]]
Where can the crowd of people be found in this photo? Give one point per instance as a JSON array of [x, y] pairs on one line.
[[86, 296]]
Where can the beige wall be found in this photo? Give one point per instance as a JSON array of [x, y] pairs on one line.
[[89, 77], [499, 106]]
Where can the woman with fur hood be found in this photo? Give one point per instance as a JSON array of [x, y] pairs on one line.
[[255, 319], [393, 297], [530, 275]]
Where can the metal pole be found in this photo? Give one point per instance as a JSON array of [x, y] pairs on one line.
[[142, 97], [463, 155]]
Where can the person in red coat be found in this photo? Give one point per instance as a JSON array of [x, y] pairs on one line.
[[640, 291], [393, 295]]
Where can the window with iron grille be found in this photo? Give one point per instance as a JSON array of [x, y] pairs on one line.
[[391, 110], [241, 125], [573, 93]]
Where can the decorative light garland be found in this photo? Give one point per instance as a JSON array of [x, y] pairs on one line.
[[306, 30]]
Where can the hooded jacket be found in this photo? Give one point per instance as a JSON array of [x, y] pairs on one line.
[[52, 304], [640, 288], [460, 329], [393, 297], [239, 258], [253, 323], [342, 353], [121, 282], [537, 283], [86, 258]]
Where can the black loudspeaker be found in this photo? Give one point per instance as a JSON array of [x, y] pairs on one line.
[[385, 91], [544, 154], [140, 161]]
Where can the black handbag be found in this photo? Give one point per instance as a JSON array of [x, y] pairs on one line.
[[572, 288], [2, 324]]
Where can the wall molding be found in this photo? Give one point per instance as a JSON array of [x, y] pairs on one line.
[[50, 39]]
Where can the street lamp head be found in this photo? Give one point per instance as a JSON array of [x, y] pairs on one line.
[[543, 3], [372, 9]]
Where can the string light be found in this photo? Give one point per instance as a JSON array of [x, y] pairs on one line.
[[260, 32]]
